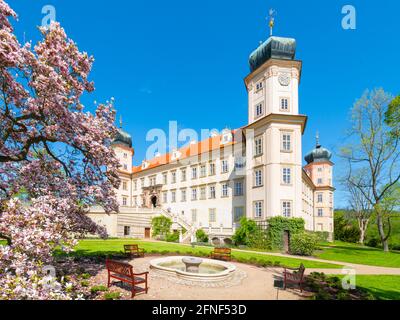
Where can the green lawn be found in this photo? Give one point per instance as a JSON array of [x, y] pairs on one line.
[[115, 246], [381, 287], [353, 253]]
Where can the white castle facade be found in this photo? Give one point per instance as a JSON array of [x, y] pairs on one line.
[[255, 171]]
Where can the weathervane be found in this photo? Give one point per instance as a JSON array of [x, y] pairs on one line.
[[272, 13], [317, 138]]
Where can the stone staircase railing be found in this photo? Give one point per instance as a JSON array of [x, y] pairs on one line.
[[190, 229]]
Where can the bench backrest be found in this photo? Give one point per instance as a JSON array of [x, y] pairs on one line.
[[131, 247], [120, 268], [222, 250]]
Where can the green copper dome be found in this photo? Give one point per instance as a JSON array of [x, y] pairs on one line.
[[273, 48], [319, 154], [124, 138]]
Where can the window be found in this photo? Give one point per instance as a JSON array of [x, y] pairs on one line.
[[165, 197], [194, 194], [142, 182], [124, 185], [225, 192], [194, 173], [183, 195], [212, 216], [320, 212], [286, 176], [224, 166], [125, 166], [319, 197], [124, 201], [319, 181], [183, 175], [173, 174], [259, 110], [258, 181], [286, 141], [194, 215], [258, 209], [135, 203], [203, 195], [165, 178], [238, 188], [135, 185], [287, 209], [152, 181], [212, 192], [127, 231], [330, 197], [125, 155], [319, 169], [259, 86], [203, 171], [173, 196], [212, 169], [284, 106], [258, 146], [238, 213]]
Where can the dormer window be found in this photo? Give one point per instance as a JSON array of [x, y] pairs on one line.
[[226, 137], [145, 165], [259, 110], [175, 155], [259, 86]]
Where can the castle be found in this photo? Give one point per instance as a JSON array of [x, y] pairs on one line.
[[254, 171]]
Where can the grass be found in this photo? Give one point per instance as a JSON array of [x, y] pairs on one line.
[[97, 247], [354, 253], [381, 287]]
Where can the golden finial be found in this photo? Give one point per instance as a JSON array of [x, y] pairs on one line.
[[272, 13]]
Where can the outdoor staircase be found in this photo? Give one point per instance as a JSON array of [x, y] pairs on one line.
[[189, 235]]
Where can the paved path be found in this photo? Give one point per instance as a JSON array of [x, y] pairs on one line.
[[359, 268]]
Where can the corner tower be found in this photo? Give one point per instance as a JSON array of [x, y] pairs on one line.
[[320, 169], [122, 146], [274, 131]]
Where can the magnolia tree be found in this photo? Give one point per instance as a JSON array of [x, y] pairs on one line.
[[51, 151]]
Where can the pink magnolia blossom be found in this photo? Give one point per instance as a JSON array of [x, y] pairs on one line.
[[52, 152]]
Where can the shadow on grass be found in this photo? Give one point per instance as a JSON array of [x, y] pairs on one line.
[[355, 248], [381, 294]]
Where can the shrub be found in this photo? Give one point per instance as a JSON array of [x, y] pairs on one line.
[[172, 237], [345, 230], [112, 296], [97, 289], [303, 244], [247, 228], [85, 283], [201, 236], [322, 236], [85, 276], [161, 226]]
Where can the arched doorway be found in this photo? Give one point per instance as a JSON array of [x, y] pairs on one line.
[[154, 201]]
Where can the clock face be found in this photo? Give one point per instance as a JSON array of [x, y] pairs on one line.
[[284, 79]]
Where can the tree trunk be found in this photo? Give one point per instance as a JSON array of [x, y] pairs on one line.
[[382, 233]]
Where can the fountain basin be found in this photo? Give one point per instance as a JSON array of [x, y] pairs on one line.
[[208, 270]]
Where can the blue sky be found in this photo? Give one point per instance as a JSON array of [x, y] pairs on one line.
[[185, 60]]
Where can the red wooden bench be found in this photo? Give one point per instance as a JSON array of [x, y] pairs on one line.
[[296, 276], [124, 272], [221, 254], [133, 250]]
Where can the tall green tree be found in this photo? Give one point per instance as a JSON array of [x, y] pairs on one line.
[[372, 153]]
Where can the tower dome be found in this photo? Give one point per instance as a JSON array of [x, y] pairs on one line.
[[123, 137], [319, 154], [273, 48]]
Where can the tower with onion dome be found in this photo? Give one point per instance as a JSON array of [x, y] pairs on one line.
[[320, 169], [122, 146]]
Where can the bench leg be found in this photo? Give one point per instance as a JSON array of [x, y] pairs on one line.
[[108, 283]]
